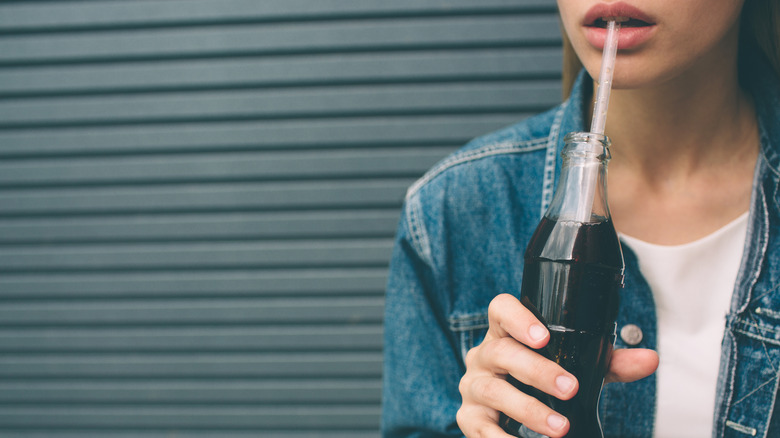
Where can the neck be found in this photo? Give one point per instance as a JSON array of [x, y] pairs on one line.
[[683, 154], [699, 119], [675, 132]]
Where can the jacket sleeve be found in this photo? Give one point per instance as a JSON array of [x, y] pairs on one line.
[[422, 365]]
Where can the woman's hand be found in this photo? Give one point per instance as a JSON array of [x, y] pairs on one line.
[[507, 349]]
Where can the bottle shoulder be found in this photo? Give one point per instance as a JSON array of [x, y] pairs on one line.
[[590, 243]]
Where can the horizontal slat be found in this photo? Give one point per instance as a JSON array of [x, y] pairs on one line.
[[202, 226], [373, 163], [438, 65], [252, 135], [37, 432], [214, 310], [212, 255], [163, 339], [181, 391], [191, 365], [79, 14], [193, 283], [364, 132], [281, 104], [199, 197], [269, 39], [299, 417]]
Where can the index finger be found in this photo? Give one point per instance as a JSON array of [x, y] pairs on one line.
[[508, 317]]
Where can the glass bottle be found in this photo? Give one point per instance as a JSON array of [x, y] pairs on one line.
[[572, 276]]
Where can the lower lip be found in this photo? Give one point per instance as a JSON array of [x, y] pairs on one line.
[[628, 38]]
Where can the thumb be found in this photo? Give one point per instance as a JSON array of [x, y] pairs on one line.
[[628, 365]]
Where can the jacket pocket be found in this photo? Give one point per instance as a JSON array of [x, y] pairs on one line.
[[470, 329], [755, 339]]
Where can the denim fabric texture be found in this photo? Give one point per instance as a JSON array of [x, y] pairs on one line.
[[460, 242]]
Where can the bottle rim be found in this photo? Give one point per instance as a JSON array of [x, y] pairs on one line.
[[576, 143]]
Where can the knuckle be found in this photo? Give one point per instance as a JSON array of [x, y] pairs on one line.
[[480, 432], [532, 411], [488, 352], [497, 304], [489, 390], [471, 356], [461, 417], [470, 422], [541, 367], [540, 373], [463, 386], [502, 348]]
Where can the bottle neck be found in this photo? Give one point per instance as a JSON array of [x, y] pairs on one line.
[[581, 195]]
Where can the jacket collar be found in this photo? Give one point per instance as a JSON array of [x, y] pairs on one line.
[[764, 86]]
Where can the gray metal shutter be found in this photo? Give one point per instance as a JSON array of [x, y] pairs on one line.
[[198, 199]]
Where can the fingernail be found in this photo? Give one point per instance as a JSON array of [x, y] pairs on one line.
[[565, 384], [556, 422], [537, 332]]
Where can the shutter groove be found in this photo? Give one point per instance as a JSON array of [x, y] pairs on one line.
[[198, 200]]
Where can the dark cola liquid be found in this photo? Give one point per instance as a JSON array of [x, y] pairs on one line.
[[571, 282]]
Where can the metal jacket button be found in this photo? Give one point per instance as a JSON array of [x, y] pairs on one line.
[[631, 334]]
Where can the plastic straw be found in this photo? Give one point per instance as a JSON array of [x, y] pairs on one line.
[[605, 78]]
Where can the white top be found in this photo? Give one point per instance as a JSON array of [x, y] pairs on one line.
[[692, 286]]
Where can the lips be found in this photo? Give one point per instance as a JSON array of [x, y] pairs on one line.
[[636, 25]]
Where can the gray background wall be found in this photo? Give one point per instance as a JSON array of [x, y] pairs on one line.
[[198, 198]]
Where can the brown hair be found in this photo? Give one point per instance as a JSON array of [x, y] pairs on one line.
[[760, 27], [571, 65]]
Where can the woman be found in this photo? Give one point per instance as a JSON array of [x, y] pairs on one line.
[[694, 121]]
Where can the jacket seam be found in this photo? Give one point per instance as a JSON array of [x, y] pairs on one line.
[[771, 409], [763, 241], [756, 389], [763, 152], [417, 232], [548, 176], [468, 322], [501, 148], [763, 311], [768, 312], [760, 327], [756, 336], [725, 406]]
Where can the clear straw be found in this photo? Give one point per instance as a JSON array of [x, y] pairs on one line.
[[605, 78], [587, 175]]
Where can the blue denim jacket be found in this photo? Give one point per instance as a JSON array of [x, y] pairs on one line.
[[460, 242]]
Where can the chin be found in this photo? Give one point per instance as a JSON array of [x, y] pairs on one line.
[[630, 80], [630, 75]]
